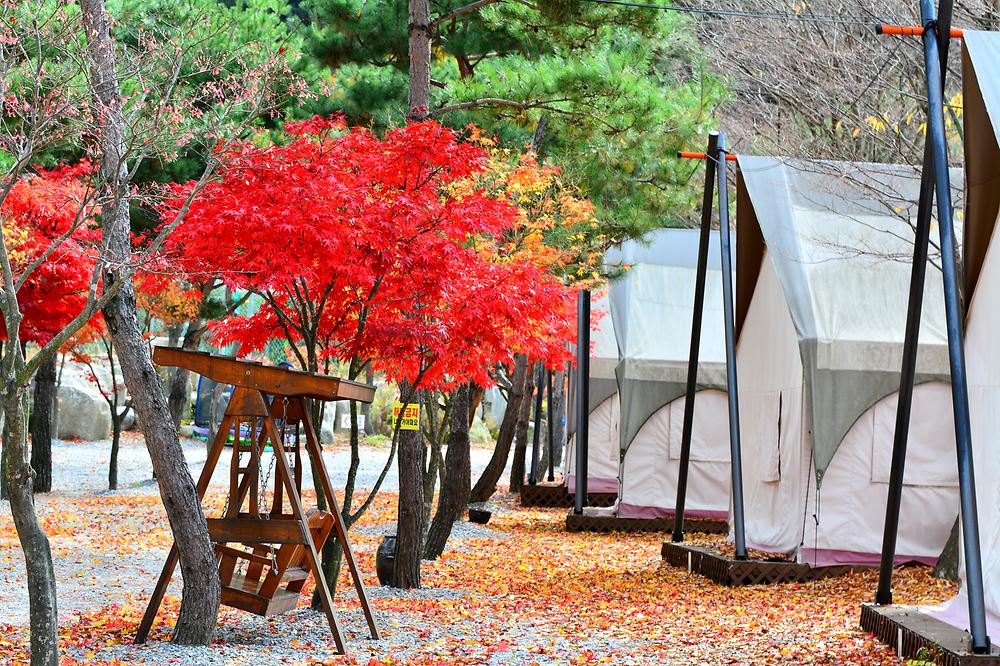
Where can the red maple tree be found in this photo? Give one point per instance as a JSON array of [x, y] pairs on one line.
[[372, 250], [46, 233]]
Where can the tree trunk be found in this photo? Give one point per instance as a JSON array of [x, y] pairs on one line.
[[4, 435], [487, 483], [410, 516], [419, 35], [116, 436], [55, 396], [947, 564], [40, 424], [476, 394], [41, 578], [521, 434], [200, 601], [180, 394], [558, 417], [455, 486]]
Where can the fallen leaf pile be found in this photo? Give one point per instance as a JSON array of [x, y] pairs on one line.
[[530, 594]]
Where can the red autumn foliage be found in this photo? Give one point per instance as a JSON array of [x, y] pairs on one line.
[[39, 210], [375, 249]]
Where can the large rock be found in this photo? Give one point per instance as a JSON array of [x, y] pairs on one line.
[[83, 413]]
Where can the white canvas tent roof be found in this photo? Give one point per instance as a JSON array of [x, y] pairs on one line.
[[823, 264], [652, 306], [839, 238]]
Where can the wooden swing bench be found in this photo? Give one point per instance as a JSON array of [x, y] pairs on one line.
[[265, 554]]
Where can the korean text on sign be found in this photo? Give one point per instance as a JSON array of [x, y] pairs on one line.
[[410, 417]]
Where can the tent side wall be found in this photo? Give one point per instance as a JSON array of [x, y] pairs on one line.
[[847, 528], [982, 159], [981, 263], [602, 451], [776, 465], [649, 476]]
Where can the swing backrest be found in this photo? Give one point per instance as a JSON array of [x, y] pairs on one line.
[[270, 585]]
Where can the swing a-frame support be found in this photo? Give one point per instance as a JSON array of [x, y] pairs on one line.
[[265, 554]]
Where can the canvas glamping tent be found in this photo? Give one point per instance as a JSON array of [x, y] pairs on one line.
[[981, 259], [823, 263], [602, 451], [652, 308]]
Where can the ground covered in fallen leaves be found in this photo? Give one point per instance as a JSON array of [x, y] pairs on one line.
[[521, 591]]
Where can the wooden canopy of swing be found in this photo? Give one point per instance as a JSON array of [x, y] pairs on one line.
[[266, 553]]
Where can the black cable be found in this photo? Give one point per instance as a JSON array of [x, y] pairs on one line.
[[833, 20]]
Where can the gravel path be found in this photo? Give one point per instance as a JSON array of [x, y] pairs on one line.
[[92, 573]]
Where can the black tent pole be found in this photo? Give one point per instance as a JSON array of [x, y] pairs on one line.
[[699, 310], [739, 533], [918, 272], [582, 398], [536, 436], [953, 320], [551, 433]]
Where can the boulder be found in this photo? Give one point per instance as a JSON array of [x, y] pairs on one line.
[[83, 413]]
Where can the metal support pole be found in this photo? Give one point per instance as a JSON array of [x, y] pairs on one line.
[[582, 398], [551, 430], [953, 320], [699, 309], [918, 271], [739, 532], [536, 447]]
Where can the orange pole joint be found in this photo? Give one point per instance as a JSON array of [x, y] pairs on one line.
[[912, 31], [683, 154]]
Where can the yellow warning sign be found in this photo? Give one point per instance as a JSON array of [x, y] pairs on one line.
[[410, 416]]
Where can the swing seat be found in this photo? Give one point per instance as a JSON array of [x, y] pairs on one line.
[[269, 586]]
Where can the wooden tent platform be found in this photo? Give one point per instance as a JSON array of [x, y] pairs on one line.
[[587, 522], [557, 495], [731, 572], [914, 634]]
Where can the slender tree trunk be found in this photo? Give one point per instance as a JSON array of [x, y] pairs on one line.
[[3, 461], [40, 425], [476, 394], [521, 434], [558, 417], [410, 515], [487, 483], [365, 411], [116, 437], [55, 397], [200, 601], [435, 461], [457, 481], [419, 35], [179, 392], [947, 564], [41, 579]]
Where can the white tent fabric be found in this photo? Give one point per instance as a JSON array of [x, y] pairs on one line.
[[981, 88], [602, 451], [649, 474], [652, 306], [823, 272]]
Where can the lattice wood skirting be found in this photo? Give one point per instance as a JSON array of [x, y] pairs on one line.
[[557, 495], [727, 571], [590, 523], [912, 633]]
